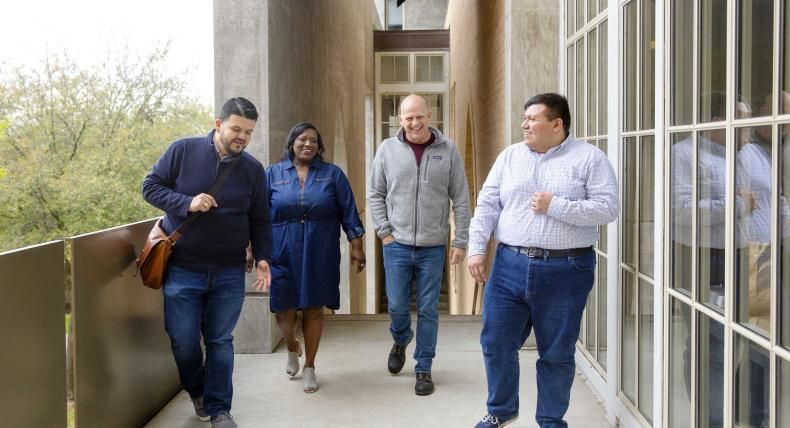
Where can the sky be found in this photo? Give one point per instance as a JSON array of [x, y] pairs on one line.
[[90, 29]]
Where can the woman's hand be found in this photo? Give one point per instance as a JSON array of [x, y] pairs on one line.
[[357, 254]]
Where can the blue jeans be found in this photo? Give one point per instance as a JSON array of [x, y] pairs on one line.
[[546, 295], [402, 265], [204, 303]]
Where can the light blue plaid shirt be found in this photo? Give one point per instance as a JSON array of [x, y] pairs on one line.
[[585, 196]]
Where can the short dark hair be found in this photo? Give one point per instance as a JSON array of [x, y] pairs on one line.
[[240, 107], [557, 105], [294, 133]]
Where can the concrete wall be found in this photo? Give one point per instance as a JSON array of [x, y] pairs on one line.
[[303, 60], [424, 14], [501, 53]]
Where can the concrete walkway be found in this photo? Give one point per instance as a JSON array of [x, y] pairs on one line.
[[358, 391]]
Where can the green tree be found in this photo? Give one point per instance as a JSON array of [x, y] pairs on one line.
[[76, 142]]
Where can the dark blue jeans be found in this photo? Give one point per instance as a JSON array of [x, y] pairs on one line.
[[402, 265], [546, 295], [207, 303]]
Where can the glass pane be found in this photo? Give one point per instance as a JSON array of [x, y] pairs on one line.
[[646, 349], [435, 106], [681, 157], [394, 16], [592, 9], [630, 231], [711, 203], [387, 69], [784, 66], [784, 241], [590, 318], [402, 68], [712, 60], [578, 119], [682, 61], [754, 66], [592, 82], [628, 345], [602, 285], [630, 63], [710, 372], [603, 108], [579, 14], [646, 203], [784, 226], [783, 393], [603, 229], [752, 368], [648, 87], [571, 64], [679, 364], [602, 5], [753, 227], [437, 68], [570, 14], [423, 68], [390, 103]]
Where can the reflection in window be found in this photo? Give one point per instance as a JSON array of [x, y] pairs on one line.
[[784, 240], [753, 227], [679, 364], [754, 82], [592, 68], [603, 229], [629, 62], [710, 372], [580, 110], [712, 59], [681, 170], [784, 66], [646, 201], [711, 205], [602, 281], [648, 63], [752, 368], [783, 393], [629, 201], [603, 108], [681, 63], [629, 351], [646, 349]]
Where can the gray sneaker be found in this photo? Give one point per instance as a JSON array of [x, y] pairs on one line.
[[199, 412], [223, 420]]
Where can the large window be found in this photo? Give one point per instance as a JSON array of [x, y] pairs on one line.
[[638, 209], [728, 219], [586, 53]]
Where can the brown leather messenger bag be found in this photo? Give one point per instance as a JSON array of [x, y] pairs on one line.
[[152, 262]]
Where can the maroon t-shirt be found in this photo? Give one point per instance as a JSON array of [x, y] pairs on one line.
[[419, 149]]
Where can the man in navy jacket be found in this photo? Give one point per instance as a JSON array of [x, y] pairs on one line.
[[204, 284]]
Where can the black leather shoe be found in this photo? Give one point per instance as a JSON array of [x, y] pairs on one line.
[[397, 358], [424, 385]]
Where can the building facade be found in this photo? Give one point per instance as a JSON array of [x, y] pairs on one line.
[[688, 324]]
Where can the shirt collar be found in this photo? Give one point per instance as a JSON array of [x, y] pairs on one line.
[[316, 163]]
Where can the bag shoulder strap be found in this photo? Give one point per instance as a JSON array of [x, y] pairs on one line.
[[213, 191]]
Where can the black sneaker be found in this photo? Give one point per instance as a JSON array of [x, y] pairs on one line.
[[424, 385], [397, 356], [491, 421]]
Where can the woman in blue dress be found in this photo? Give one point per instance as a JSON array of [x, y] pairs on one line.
[[310, 201]]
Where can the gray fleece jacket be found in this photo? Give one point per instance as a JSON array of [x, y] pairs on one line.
[[413, 203]]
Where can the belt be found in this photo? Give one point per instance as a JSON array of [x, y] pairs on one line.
[[542, 252]]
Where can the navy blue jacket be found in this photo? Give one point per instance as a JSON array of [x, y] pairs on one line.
[[219, 237]]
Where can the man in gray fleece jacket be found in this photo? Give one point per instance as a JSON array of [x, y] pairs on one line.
[[415, 176]]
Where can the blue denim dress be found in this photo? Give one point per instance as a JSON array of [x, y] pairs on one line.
[[306, 224]]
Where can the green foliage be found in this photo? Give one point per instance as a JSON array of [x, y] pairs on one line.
[[75, 143]]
